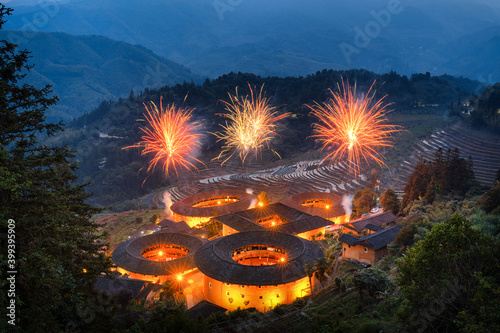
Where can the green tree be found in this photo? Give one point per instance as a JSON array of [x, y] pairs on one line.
[[430, 192], [389, 201], [483, 314], [168, 316], [436, 275], [310, 269], [371, 280], [58, 254], [416, 185], [321, 264], [490, 200], [363, 201]]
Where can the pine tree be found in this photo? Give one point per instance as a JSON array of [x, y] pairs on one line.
[[58, 254]]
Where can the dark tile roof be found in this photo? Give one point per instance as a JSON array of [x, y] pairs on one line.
[[299, 221], [116, 285], [183, 207], [239, 223], [335, 200], [306, 224], [143, 294], [373, 241], [128, 255], [171, 226], [373, 227], [214, 259], [377, 220], [349, 239], [280, 209], [204, 309]]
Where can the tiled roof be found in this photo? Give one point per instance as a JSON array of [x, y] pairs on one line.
[[214, 259], [299, 221], [377, 220], [128, 255], [373, 241], [183, 207], [116, 285], [303, 225], [335, 200], [204, 309]]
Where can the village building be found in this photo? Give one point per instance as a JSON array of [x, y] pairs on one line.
[[157, 256], [369, 225], [322, 204], [138, 290], [204, 309], [370, 248], [200, 207], [277, 217], [256, 269]]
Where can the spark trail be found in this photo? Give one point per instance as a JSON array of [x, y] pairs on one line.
[[353, 128]]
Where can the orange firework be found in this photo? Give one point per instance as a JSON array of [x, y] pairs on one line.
[[252, 125], [353, 127], [170, 137]]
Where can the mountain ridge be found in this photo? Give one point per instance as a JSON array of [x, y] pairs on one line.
[[289, 38], [86, 70]]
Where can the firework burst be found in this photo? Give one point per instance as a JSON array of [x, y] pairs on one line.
[[353, 128], [170, 137], [251, 125]]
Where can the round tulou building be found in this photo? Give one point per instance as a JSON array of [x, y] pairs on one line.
[[155, 257], [259, 269], [322, 204], [200, 207]]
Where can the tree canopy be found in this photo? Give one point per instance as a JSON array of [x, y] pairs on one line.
[[446, 174], [437, 275], [58, 254]]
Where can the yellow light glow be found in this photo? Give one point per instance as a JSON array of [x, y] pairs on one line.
[[282, 259], [273, 223], [179, 277], [261, 204], [218, 202], [160, 253], [327, 206], [85, 270]]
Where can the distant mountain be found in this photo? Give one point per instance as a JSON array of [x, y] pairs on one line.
[[86, 70], [285, 37]]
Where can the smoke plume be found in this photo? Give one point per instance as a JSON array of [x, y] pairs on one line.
[[347, 204], [254, 201]]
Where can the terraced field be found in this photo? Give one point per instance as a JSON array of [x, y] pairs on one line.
[[484, 147], [279, 182]]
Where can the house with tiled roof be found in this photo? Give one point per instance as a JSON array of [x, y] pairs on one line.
[[369, 225], [369, 248], [276, 217], [139, 290]]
